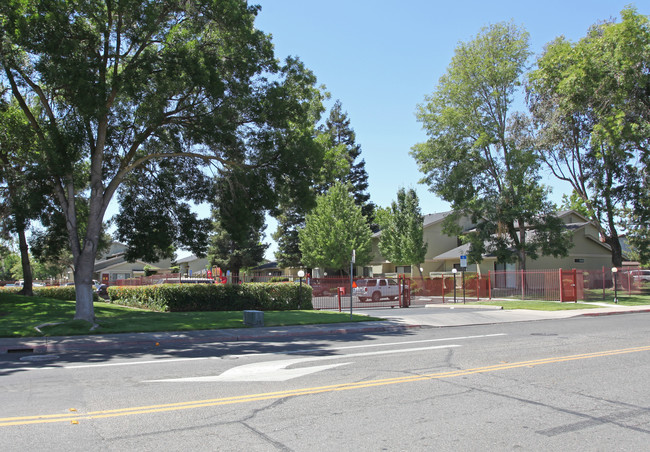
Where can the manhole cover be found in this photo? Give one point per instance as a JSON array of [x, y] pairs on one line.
[[39, 358]]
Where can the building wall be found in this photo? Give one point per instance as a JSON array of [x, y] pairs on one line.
[[586, 254]]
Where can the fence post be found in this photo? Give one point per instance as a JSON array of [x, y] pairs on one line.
[[603, 282], [561, 286], [443, 288], [575, 285], [490, 284]]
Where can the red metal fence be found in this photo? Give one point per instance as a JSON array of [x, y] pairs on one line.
[[445, 287], [550, 285]]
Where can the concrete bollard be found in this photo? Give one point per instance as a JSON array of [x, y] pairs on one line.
[[254, 318]]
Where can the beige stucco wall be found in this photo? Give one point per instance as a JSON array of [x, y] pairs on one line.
[[587, 252], [594, 254]]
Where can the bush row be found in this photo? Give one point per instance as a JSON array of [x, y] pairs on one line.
[[214, 297], [65, 293], [58, 292]]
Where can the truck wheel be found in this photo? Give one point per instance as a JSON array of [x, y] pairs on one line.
[[376, 296]]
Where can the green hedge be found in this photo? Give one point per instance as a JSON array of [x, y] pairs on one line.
[[213, 297], [65, 293]]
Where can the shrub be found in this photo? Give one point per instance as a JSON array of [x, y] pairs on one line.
[[211, 297], [66, 293]]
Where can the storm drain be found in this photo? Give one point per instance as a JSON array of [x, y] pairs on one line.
[[20, 350]]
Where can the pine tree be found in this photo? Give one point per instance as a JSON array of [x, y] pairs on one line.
[[341, 164], [338, 134]]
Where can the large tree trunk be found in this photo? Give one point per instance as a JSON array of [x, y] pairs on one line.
[[84, 257], [24, 259], [83, 279], [617, 251]]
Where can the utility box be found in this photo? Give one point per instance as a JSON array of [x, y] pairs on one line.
[[254, 318]]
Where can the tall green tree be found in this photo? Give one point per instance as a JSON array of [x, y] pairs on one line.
[[8, 261], [340, 140], [479, 156], [341, 163], [230, 254], [333, 229], [21, 190], [591, 103], [290, 221], [122, 84], [402, 234], [238, 223]]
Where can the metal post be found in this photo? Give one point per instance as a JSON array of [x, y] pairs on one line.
[[301, 274], [615, 272], [351, 282], [352, 261], [453, 270], [463, 277]]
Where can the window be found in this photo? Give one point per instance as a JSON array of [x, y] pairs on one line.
[[382, 282]]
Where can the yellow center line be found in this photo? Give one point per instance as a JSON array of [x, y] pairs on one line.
[[75, 417]]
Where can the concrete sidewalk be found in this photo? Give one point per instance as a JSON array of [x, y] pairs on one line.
[[396, 321]]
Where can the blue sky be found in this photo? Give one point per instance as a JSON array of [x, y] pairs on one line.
[[380, 58]]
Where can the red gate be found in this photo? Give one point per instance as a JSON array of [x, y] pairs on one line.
[[568, 285]]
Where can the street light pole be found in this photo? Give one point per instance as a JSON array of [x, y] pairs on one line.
[[615, 272], [301, 274]]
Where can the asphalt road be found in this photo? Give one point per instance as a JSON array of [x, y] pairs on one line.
[[566, 384]]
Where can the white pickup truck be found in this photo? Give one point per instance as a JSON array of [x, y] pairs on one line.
[[376, 289]]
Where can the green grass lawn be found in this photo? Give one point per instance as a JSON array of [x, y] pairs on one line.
[[20, 315], [539, 305]]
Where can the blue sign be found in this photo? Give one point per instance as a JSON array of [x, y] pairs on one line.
[[463, 261]]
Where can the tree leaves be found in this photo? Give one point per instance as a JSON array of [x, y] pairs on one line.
[[479, 156], [402, 240], [333, 230], [590, 104]]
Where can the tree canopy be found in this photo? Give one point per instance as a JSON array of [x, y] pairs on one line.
[[479, 155], [590, 101], [402, 236], [226, 253], [333, 229], [121, 86], [345, 165], [341, 163]]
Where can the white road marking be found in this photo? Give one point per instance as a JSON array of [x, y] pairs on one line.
[[255, 355], [277, 370]]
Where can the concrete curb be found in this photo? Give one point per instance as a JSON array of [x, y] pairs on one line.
[[596, 314], [170, 340]]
